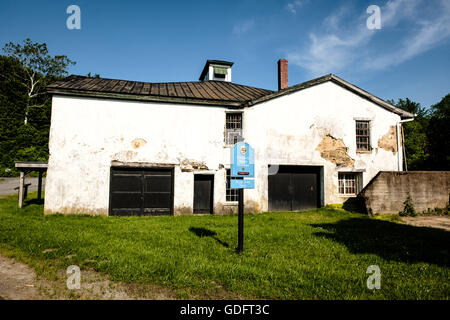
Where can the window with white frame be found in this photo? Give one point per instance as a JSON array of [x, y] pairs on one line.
[[232, 194], [349, 183], [233, 128], [363, 135]]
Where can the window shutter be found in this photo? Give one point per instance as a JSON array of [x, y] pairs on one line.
[[220, 70]]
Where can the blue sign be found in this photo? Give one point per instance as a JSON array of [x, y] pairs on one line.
[[242, 160], [242, 184]]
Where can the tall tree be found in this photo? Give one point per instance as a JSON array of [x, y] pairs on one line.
[[439, 135], [427, 138], [415, 133], [25, 109], [38, 68]]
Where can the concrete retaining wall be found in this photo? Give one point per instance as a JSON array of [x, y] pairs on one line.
[[389, 189]]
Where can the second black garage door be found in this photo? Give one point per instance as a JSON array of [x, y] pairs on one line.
[[137, 191], [294, 188]]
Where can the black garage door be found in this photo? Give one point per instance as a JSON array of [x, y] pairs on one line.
[[294, 188], [137, 191]]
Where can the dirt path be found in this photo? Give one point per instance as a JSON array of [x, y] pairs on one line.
[[19, 282], [440, 222]]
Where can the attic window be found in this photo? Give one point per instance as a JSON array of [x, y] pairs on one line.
[[220, 72]]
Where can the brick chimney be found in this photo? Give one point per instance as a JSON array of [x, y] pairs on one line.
[[282, 74]]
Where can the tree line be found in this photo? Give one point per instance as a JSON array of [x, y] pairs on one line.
[[25, 108], [427, 138]]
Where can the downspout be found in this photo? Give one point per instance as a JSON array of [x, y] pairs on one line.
[[399, 162]]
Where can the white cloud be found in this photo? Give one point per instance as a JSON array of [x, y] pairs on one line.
[[294, 5], [427, 35], [334, 20], [395, 10], [243, 27], [331, 52], [347, 45]]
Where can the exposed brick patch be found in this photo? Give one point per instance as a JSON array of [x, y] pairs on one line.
[[389, 141], [335, 151]]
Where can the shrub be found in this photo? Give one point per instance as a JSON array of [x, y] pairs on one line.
[[438, 211], [408, 210]]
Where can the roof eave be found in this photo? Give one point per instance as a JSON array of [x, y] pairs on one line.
[[289, 90], [147, 98]]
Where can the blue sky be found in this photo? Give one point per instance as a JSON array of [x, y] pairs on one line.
[[160, 41]]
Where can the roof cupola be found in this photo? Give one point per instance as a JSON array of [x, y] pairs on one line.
[[216, 70]]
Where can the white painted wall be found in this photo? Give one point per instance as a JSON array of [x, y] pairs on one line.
[[287, 131], [88, 134]]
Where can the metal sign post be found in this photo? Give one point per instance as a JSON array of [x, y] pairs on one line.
[[242, 165], [241, 222]]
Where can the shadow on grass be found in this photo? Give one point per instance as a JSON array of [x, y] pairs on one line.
[[33, 201], [355, 205], [202, 232], [390, 241]]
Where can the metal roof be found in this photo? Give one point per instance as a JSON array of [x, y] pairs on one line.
[[203, 92], [220, 93]]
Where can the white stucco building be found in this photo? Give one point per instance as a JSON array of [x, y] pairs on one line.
[[132, 148]]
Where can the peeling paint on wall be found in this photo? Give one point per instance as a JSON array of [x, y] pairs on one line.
[[389, 141], [224, 208], [124, 156], [360, 164], [182, 210], [188, 165], [78, 210], [252, 206], [137, 143], [335, 151]]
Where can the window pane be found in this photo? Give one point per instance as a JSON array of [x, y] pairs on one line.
[[233, 127], [231, 194], [362, 136], [341, 186], [219, 70], [347, 183]]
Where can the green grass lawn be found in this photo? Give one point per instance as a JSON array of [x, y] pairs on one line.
[[320, 254]]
